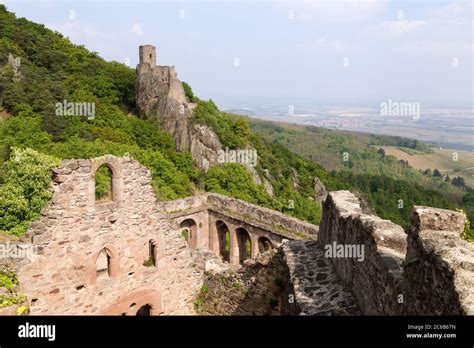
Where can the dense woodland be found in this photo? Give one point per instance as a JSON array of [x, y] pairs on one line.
[[39, 67], [382, 180]]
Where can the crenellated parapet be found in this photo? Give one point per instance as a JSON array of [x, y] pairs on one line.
[[439, 270], [365, 251], [429, 271]]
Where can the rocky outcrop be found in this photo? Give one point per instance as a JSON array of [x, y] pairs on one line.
[[160, 96], [204, 146], [260, 179], [320, 191]]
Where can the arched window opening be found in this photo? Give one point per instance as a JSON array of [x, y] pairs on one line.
[[244, 243], [102, 269], [223, 237], [103, 184], [188, 229], [151, 261], [264, 244]]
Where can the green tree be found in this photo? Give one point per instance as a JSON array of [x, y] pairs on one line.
[[25, 189]]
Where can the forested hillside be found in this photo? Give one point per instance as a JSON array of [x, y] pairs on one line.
[[39, 68], [391, 186]]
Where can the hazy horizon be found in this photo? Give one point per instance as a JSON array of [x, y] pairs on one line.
[[314, 53]]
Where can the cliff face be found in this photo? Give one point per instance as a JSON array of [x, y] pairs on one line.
[[160, 96]]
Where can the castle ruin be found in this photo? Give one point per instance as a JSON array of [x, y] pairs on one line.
[[135, 255]]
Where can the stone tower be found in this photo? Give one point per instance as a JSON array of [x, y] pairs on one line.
[[148, 55], [160, 96]]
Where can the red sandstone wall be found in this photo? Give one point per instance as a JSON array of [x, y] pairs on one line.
[[74, 229]]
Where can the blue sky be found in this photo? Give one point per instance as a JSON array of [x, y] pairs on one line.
[[289, 52]]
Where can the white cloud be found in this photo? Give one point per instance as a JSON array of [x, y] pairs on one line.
[[322, 43], [395, 28], [443, 30], [334, 11], [137, 29], [79, 32], [454, 11]]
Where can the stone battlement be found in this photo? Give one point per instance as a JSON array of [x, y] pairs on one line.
[[430, 271], [160, 96], [375, 280], [157, 81], [439, 271]]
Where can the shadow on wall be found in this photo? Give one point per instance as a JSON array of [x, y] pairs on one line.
[[254, 290]]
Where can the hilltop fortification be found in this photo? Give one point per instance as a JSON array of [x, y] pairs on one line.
[[160, 96]]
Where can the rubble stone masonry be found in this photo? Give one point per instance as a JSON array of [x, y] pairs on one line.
[[128, 255]]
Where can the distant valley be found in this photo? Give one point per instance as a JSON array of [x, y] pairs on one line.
[[446, 128]]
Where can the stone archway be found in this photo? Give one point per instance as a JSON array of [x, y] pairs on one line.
[[244, 244], [113, 165], [189, 232], [264, 244], [144, 310], [141, 303], [223, 238]]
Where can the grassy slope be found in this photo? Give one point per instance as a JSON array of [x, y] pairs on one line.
[[441, 159]]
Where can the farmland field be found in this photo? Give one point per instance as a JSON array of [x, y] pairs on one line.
[[442, 159]]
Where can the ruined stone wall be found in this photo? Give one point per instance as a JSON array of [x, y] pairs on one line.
[[147, 55], [184, 205], [176, 90], [252, 290], [375, 281], [439, 271], [74, 229], [430, 274]]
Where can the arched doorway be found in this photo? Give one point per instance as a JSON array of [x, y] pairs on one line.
[[245, 244], [141, 302], [144, 310], [188, 230], [223, 237], [264, 244]]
